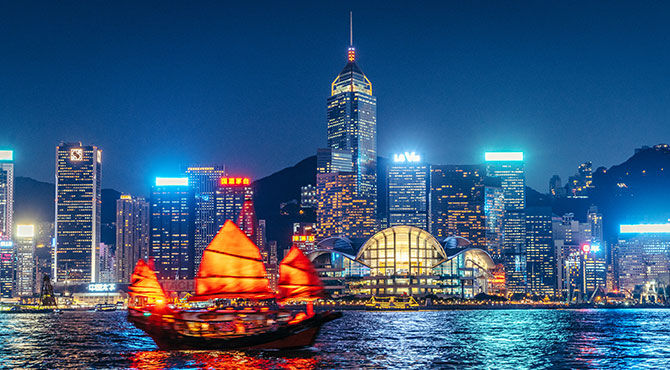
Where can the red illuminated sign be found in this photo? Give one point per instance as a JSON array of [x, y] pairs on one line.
[[235, 181]]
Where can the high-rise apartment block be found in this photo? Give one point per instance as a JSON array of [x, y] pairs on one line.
[[78, 203]]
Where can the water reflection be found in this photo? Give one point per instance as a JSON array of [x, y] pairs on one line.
[[462, 339]]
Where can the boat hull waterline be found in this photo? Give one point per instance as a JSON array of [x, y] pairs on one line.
[[297, 335]]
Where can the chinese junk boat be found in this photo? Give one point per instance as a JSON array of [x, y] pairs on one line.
[[244, 312]]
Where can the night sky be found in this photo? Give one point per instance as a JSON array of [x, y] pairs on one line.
[[160, 85]]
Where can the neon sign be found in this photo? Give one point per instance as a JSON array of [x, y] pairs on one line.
[[101, 287], [234, 181], [410, 157], [303, 238], [6, 155]]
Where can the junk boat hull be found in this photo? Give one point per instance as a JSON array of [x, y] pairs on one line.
[[167, 337]]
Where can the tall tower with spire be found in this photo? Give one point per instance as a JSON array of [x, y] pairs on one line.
[[352, 126]]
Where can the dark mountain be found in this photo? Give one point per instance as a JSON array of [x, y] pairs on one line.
[[284, 187], [34, 202], [635, 191]]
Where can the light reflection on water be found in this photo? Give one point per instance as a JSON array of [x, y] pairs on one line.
[[432, 339]]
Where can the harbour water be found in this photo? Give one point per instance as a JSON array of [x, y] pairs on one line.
[[424, 339]]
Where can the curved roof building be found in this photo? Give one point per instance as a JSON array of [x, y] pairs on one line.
[[406, 260]]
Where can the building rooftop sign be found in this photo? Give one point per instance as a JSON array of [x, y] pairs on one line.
[[409, 157], [644, 229], [171, 181], [503, 156], [6, 155]]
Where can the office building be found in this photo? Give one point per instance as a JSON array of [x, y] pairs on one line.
[[509, 168], [172, 228], [340, 211], [643, 256], [106, 264], [6, 194], [333, 160], [408, 191], [6, 268], [132, 234], [231, 194], [494, 209], [78, 203], [204, 180], [304, 236], [352, 127], [457, 196], [24, 248], [540, 254]]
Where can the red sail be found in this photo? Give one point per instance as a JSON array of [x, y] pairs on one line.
[[231, 267], [298, 280], [143, 282]]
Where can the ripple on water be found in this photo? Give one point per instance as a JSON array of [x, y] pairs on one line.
[[430, 339]]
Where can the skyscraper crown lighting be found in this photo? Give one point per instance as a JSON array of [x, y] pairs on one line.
[[645, 229], [503, 156], [171, 181]]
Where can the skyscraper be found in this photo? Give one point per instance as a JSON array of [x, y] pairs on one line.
[[204, 181], [333, 160], [340, 212], [408, 191], [6, 193], [132, 234], [494, 209], [6, 268], [231, 193], [457, 202], [352, 127], [78, 202], [508, 166], [25, 260], [540, 256], [171, 238]]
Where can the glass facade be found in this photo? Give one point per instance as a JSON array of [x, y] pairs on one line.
[[352, 127], [204, 181], [78, 203], [6, 194], [229, 202], [408, 189], [172, 227], [132, 234], [25, 261], [510, 171], [643, 258], [457, 203], [540, 251]]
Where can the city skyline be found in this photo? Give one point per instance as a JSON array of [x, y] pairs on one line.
[[493, 96]]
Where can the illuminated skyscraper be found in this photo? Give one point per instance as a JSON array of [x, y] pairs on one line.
[[494, 209], [231, 194], [132, 234], [78, 202], [408, 190], [204, 181], [643, 256], [6, 268], [24, 247], [457, 202], [352, 127], [333, 160], [172, 226], [540, 256], [340, 212], [6, 193], [508, 166]]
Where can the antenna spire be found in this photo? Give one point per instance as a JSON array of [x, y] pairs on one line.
[[351, 28], [351, 53]]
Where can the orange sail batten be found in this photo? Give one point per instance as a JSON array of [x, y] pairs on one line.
[[143, 282], [231, 267], [298, 280]]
